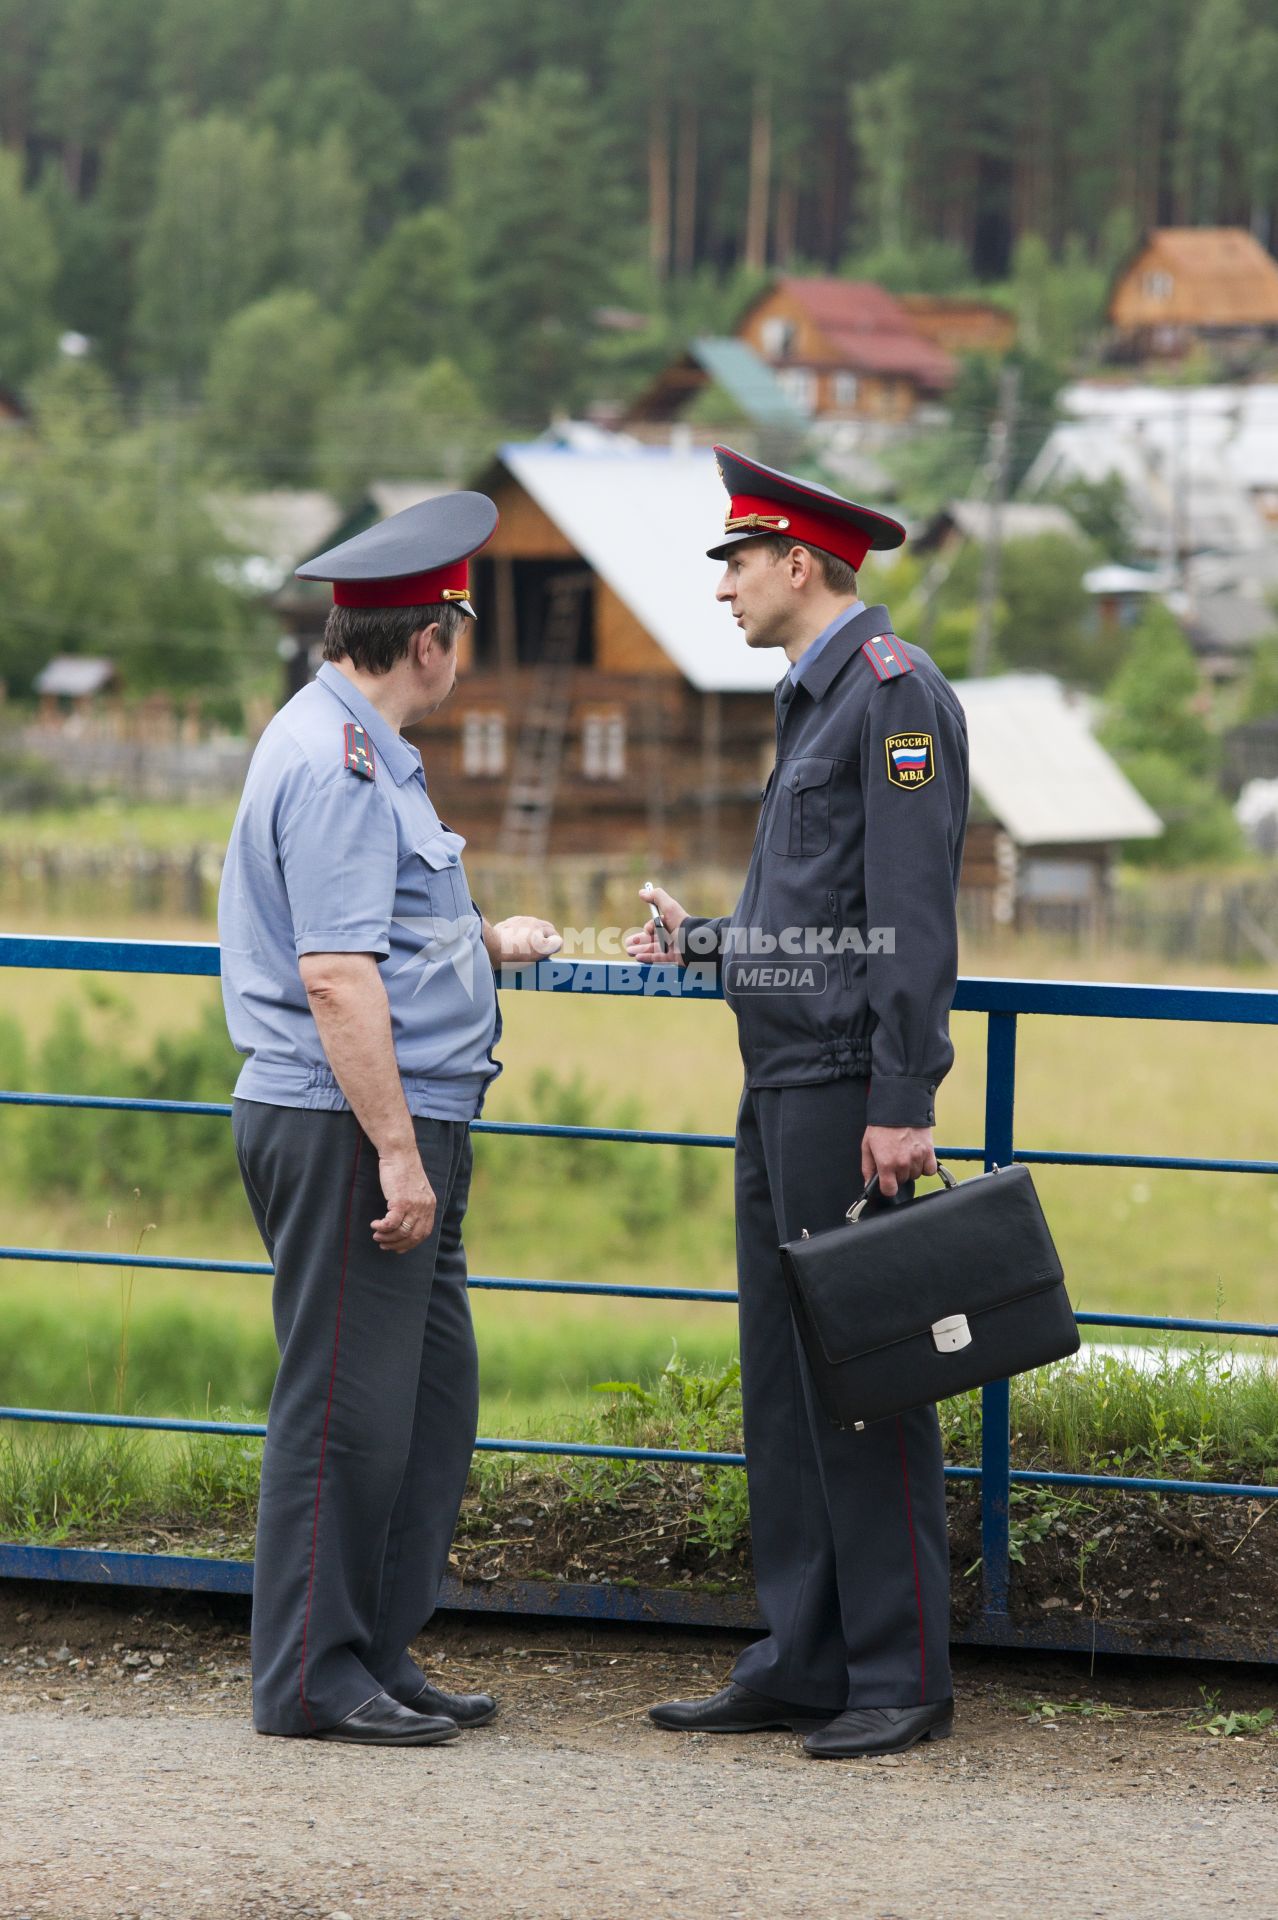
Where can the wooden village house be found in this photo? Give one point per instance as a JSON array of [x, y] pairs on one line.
[[71, 685], [1050, 808], [608, 713], [1184, 285], [959, 324], [727, 369], [605, 705], [827, 350], [845, 349]]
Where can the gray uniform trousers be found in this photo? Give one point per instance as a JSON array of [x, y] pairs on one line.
[[373, 1418], [850, 1549]]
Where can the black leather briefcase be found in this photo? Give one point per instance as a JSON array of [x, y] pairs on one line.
[[907, 1304]]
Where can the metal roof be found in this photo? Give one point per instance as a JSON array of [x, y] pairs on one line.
[[392, 496], [737, 368], [279, 526], [74, 676], [1113, 577], [1191, 459], [1018, 520], [643, 518], [1041, 771]]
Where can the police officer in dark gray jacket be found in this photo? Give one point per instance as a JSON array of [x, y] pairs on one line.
[[840, 963]]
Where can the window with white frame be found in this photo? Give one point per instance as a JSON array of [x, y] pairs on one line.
[[845, 389], [800, 386], [484, 744], [778, 335], [1158, 285], [603, 745]]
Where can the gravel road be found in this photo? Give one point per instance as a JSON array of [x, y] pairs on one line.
[[134, 1787]]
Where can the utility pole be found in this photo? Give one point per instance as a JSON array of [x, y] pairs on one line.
[[998, 464]]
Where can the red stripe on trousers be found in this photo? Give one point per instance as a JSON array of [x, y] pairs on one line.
[[328, 1408], [914, 1556]]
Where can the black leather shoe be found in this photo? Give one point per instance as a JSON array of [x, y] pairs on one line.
[[383, 1722], [863, 1730], [736, 1710], [467, 1709]]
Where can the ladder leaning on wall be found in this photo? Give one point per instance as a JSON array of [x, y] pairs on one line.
[[534, 775]]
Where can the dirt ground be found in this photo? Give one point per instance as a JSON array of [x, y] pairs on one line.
[[133, 1788], [1161, 1569]]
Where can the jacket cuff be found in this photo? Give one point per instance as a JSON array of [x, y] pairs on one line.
[[699, 938], [901, 1100]]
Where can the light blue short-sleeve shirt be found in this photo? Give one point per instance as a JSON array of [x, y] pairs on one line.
[[324, 860]]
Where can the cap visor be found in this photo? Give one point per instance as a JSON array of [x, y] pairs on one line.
[[733, 540]]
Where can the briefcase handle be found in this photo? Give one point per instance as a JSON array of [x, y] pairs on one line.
[[858, 1207]]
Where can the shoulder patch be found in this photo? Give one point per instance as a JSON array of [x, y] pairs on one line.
[[359, 751], [887, 656], [911, 759]]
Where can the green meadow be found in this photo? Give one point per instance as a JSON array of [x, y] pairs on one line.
[[80, 1336]]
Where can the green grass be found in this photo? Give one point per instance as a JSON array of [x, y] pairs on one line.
[[1196, 1412], [173, 1359], [112, 822], [1202, 1415]]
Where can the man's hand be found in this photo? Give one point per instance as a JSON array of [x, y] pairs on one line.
[[410, 1202], [645, 943], [896, 1154], [521, 939]]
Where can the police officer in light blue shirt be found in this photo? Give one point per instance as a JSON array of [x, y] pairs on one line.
[[358, 980], [323, 863]]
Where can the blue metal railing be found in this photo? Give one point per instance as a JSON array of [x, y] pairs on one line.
[[999, 999]]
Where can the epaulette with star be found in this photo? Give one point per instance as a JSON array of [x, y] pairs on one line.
[[887, 656], [359, 751]]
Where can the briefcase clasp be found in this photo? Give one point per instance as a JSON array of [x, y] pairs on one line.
[[952, 1334]]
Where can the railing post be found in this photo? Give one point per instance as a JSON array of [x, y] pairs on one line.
[[996, 1410]]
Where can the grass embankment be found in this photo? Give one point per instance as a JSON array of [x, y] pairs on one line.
[[1197, 1415]]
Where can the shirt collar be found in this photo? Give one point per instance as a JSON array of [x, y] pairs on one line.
[[838, 643], [799, 670], [400, 759]]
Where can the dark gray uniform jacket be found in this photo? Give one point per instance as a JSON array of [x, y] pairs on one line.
[[854, 875]]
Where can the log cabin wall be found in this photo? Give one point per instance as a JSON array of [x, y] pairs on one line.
[[806, 343], [961, 326], [876, 397], [650, 767], [685, 787], [624, 646]]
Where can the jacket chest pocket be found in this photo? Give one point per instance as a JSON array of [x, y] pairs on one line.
[[433, 872], [801, 816]]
